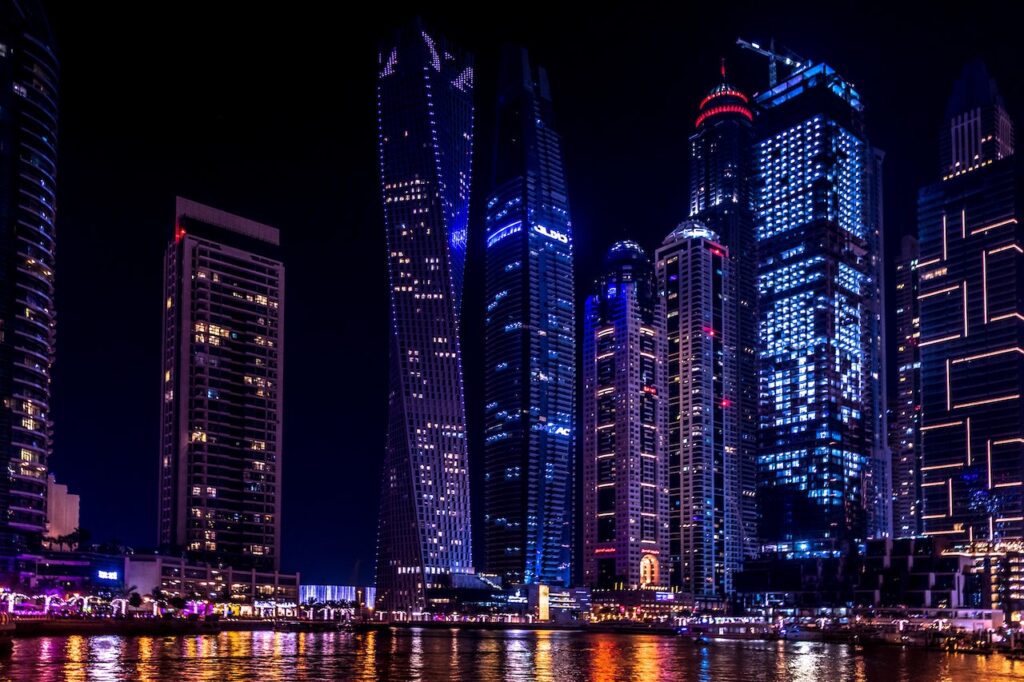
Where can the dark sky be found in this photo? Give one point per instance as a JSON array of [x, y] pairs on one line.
[[271, 115]]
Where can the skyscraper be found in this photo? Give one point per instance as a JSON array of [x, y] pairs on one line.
[[625, 468], [221, 389], [697, 279], [972, 323], [530, 376], [819, 280], [425, 116], [906, 428], [721, 197], [28, 172]]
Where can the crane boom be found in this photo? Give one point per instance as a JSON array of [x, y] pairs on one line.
[[785, 56]]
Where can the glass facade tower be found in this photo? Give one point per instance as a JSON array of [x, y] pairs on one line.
[[906, 427], [721, 197], [425, 117], [530, 351], [697, 280], [625, 463], [971, 300], [822, 463], [221, 390], [28, 318]]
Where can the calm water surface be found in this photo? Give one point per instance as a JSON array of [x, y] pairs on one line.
[[477, 657]]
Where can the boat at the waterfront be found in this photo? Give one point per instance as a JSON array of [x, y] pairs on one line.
[[307, 626]]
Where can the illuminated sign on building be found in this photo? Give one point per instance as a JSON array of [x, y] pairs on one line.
[[107, 575], [543, 602], [551, 234], [559, 430]]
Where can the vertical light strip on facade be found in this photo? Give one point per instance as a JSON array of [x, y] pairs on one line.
[[964, 291], [945, 238], [967, 426], [984, 287], [949, 394]]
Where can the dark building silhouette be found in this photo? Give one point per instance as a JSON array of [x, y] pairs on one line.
[[28, 318], [221, 390], [971, 299], [906, 408]]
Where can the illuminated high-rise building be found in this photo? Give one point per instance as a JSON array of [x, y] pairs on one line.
[[906, 410], [221, 397], [625, 467], [425, 117], [28, 318], [823, 463], [721, 197], [530, 351], [971, 272], [697, 280]]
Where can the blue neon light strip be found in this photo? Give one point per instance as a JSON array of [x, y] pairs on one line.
[[503, 232]]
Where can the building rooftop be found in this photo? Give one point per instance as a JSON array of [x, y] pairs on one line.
[[186, 208]]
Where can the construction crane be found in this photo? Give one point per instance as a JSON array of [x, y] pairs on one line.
[[784, 55]]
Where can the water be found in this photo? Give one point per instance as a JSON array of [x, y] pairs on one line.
[[478, 657]]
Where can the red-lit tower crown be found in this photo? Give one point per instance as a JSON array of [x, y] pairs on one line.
[[724, 100]]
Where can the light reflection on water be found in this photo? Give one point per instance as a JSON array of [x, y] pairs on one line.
[[469, 656]]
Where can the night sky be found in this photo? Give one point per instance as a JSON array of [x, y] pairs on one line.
[[272, 116]]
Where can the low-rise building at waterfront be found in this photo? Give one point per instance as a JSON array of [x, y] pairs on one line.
[[176, 576]]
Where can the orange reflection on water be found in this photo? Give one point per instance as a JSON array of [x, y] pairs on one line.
[[76, 655], [645, 659], [366, 655], [145, 656], [605, 660], [472, 656], [542, 659]]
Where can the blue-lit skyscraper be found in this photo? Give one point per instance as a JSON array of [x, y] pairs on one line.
[[530, 351], [425, 115], [822, 462]]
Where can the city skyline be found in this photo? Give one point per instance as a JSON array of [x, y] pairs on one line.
[[237, 199]]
